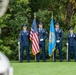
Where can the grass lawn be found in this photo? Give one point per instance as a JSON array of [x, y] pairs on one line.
[[44, 68]]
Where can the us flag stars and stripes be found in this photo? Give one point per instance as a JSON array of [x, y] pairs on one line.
[[34, 38]]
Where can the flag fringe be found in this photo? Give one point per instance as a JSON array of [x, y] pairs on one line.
[[36, 52], [52, 51]]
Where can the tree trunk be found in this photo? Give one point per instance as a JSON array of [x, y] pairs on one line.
[[69, 13]]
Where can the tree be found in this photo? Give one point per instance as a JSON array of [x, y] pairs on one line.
[[71, 7], [11, 23], [62, 9], [22, 11]]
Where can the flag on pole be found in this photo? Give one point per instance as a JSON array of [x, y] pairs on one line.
[[52, 38], [34, 38]]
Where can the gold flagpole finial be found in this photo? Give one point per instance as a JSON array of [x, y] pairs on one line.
[[34, 15], [52, 14]]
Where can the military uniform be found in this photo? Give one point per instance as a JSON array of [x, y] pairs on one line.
[[42, 35], [71, 41], [59, 35], [24, 43]]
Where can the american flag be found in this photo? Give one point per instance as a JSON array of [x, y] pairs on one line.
[[34, 38]]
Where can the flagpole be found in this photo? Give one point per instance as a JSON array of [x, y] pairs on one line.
[[35, 17], [52, 14], [53, 52]]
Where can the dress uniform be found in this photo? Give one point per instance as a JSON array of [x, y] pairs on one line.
[[24, 43], [71, 42], [58, 34], [42, 35]]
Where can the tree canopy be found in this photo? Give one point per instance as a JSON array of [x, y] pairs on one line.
[[22, 11]]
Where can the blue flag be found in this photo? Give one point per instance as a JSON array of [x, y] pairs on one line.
[[52, 38]]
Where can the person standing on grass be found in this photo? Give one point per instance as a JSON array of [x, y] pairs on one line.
[[24, 43], [42, 35], [59, 35], [71, 42]]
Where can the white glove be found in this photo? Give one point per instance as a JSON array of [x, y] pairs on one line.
[[41, 39], [58, 41], [18, 43], [67, 44]]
